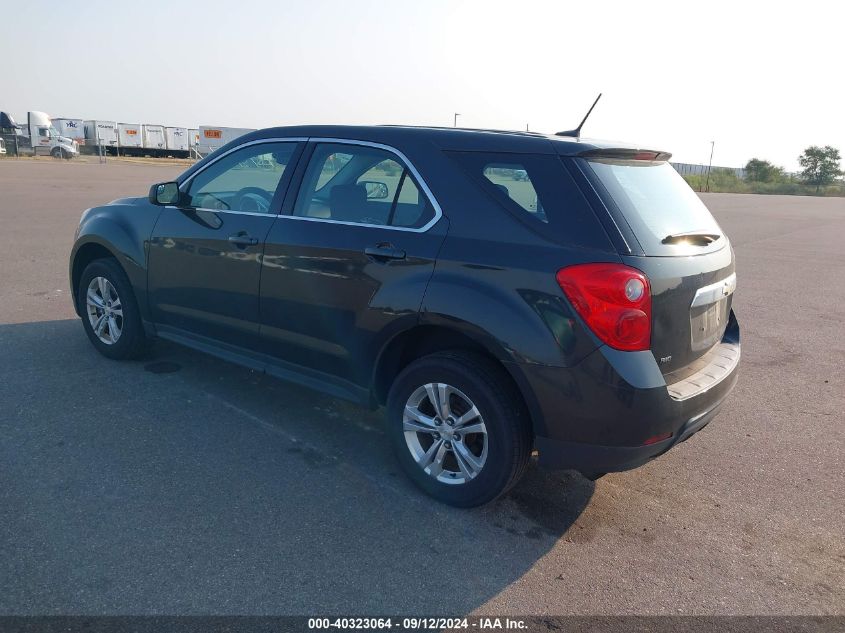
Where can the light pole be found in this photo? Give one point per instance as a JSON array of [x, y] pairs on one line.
[[457, 114], [710, 166]]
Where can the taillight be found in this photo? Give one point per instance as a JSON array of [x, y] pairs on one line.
[[614, 300]]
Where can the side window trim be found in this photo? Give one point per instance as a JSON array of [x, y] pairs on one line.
[[297, 176], [285, 181], [302, 157], [305, 159], [281, 189]]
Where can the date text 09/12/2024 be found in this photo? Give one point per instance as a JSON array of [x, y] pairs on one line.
[[416, 624]]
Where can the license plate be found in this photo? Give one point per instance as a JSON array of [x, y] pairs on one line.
[[708, 323]]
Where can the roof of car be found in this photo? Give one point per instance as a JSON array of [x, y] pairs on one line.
[[448, 138]]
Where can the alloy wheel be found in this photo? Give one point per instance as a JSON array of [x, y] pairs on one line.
[[105, 312], [445, 433]]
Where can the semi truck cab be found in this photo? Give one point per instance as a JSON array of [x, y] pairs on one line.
[[38, 137], [43, 136]]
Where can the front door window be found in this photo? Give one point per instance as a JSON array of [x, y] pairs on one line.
[[245, 180]]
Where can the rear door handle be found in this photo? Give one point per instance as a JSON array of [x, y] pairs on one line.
[[242, 239], [384, 252]]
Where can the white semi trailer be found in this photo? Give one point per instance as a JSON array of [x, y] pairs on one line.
[[64, 137], [214, 137], [73, 129], [176, 140], [145, 139], [129, 139], [101, 134], [153, 139]]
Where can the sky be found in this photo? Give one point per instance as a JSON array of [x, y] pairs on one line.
[[760, 79]]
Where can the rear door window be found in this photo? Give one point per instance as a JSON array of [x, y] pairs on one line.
[[360, 184], [334, 163], [659, 206]]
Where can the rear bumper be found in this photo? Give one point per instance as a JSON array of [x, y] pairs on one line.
[[594, 459], [614, 411]]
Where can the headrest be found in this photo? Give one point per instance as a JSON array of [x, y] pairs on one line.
[[347, 201]]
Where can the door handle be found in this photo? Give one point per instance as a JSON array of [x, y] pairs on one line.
[[384, 252], [242, 239]]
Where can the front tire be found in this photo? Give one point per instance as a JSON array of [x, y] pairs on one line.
[[459, 427], [110, 312]]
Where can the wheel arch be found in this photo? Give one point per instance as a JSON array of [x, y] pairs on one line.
[[424, 339], [91, 247], [120, 229], [83, 255]]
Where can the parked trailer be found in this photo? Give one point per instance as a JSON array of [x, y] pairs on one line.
[[100, 133], [74, 129], [153, 139], [129, 139], [215, 137], [176, 140]]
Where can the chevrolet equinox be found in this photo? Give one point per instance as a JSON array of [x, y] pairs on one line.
[[500, 293]]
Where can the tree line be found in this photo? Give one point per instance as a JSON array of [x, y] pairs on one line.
[[820, 166]]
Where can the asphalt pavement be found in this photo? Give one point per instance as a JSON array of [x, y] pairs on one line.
[[181, 484]]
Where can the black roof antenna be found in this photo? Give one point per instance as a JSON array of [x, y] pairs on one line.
[[577, 131]]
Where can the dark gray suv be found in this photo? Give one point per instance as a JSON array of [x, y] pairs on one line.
[[501, 293]]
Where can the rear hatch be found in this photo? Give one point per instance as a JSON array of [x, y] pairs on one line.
[[668, 233]]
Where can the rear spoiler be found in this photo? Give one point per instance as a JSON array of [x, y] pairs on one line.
[[621, 153]]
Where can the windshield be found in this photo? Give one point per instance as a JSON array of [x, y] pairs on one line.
[[657, 203]]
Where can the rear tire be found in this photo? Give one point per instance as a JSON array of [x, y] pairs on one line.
[[465, 469], [110, 312]]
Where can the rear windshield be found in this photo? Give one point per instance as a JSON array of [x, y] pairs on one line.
[[657, 204]]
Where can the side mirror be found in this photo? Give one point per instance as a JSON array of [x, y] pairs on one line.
[[165, 193], [375, 190]]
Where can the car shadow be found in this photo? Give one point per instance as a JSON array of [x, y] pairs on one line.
[[184, 484]]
